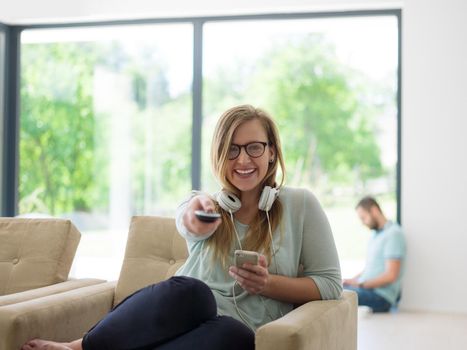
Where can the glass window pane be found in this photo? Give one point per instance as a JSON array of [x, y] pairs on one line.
[[331, 86], [2, 110], [97, 138]]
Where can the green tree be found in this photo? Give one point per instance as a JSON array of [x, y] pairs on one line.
[[57, 127], [326, 124], [64, 148], [325, 110]]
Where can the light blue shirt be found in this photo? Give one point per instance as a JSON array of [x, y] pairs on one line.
[[387, 243], [306, 240]]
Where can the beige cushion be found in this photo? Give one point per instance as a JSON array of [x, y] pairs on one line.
[[35, 253], [62, 317], [56, 288], [154, 252]]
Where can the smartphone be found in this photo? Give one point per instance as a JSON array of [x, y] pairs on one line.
[[245, 256], [207, 217]]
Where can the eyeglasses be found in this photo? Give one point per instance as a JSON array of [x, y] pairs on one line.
[[253, 149]]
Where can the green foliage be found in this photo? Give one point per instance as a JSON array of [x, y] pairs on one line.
[[326, 127], [57, 127], [325, 111], [67, 132]]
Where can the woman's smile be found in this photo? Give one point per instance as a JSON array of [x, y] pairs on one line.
[[244, 173]]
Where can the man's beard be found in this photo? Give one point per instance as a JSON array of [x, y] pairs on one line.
[[373, 224]]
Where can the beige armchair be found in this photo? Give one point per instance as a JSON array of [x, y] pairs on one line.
[[35, 259], [154, 252]]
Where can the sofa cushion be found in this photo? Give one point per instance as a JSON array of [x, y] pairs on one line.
[[154, 252], [56, 288], [35, 252]]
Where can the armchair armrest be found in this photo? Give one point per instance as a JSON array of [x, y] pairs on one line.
[[62, 317], [49, 290], [330, 324]]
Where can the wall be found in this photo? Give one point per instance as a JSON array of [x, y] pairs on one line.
[[27, 11], [434, 154]]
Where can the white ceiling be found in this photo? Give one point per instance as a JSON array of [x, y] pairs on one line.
[[59, 11]]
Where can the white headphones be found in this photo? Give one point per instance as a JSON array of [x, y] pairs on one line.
[[231, 203]]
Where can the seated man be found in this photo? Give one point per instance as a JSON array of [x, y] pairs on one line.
[[379, 285]]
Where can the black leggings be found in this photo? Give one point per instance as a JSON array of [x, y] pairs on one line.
[[179, 313]]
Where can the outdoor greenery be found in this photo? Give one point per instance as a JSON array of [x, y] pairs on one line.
[[328, 128], [65, 137], [326, 113], [57, 128]]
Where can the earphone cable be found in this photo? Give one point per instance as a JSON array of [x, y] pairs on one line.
[[274, 257], [240, 312], [272, 243], [235, 230]]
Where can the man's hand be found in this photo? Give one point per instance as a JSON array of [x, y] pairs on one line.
[[351, 282], [390, 275], [195, 225]]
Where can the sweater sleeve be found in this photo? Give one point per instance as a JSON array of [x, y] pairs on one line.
[[189, 236], [318, 254]]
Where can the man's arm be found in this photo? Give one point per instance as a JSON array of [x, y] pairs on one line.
[[393, 267]]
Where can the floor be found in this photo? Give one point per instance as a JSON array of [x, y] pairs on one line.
[[403, 330]]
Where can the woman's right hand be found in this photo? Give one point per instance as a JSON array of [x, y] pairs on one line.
[[195, 225]]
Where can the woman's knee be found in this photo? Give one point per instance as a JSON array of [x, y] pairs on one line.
[[190, 287], [190, 284], [177, 295], [188, 292], [233, 334]]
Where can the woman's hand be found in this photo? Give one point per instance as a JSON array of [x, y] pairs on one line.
[[195, 225], [252, 278]]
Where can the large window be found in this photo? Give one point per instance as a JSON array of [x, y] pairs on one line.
[[105, 131], [331, 85], [106, 118]]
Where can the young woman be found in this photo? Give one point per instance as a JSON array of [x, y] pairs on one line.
[[211, 303]]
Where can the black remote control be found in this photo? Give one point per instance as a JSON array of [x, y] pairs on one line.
[[207, 217]]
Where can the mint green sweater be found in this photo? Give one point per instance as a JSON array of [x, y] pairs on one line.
[[306, 240]]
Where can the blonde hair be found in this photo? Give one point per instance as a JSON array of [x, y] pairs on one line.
[[257, 238]]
